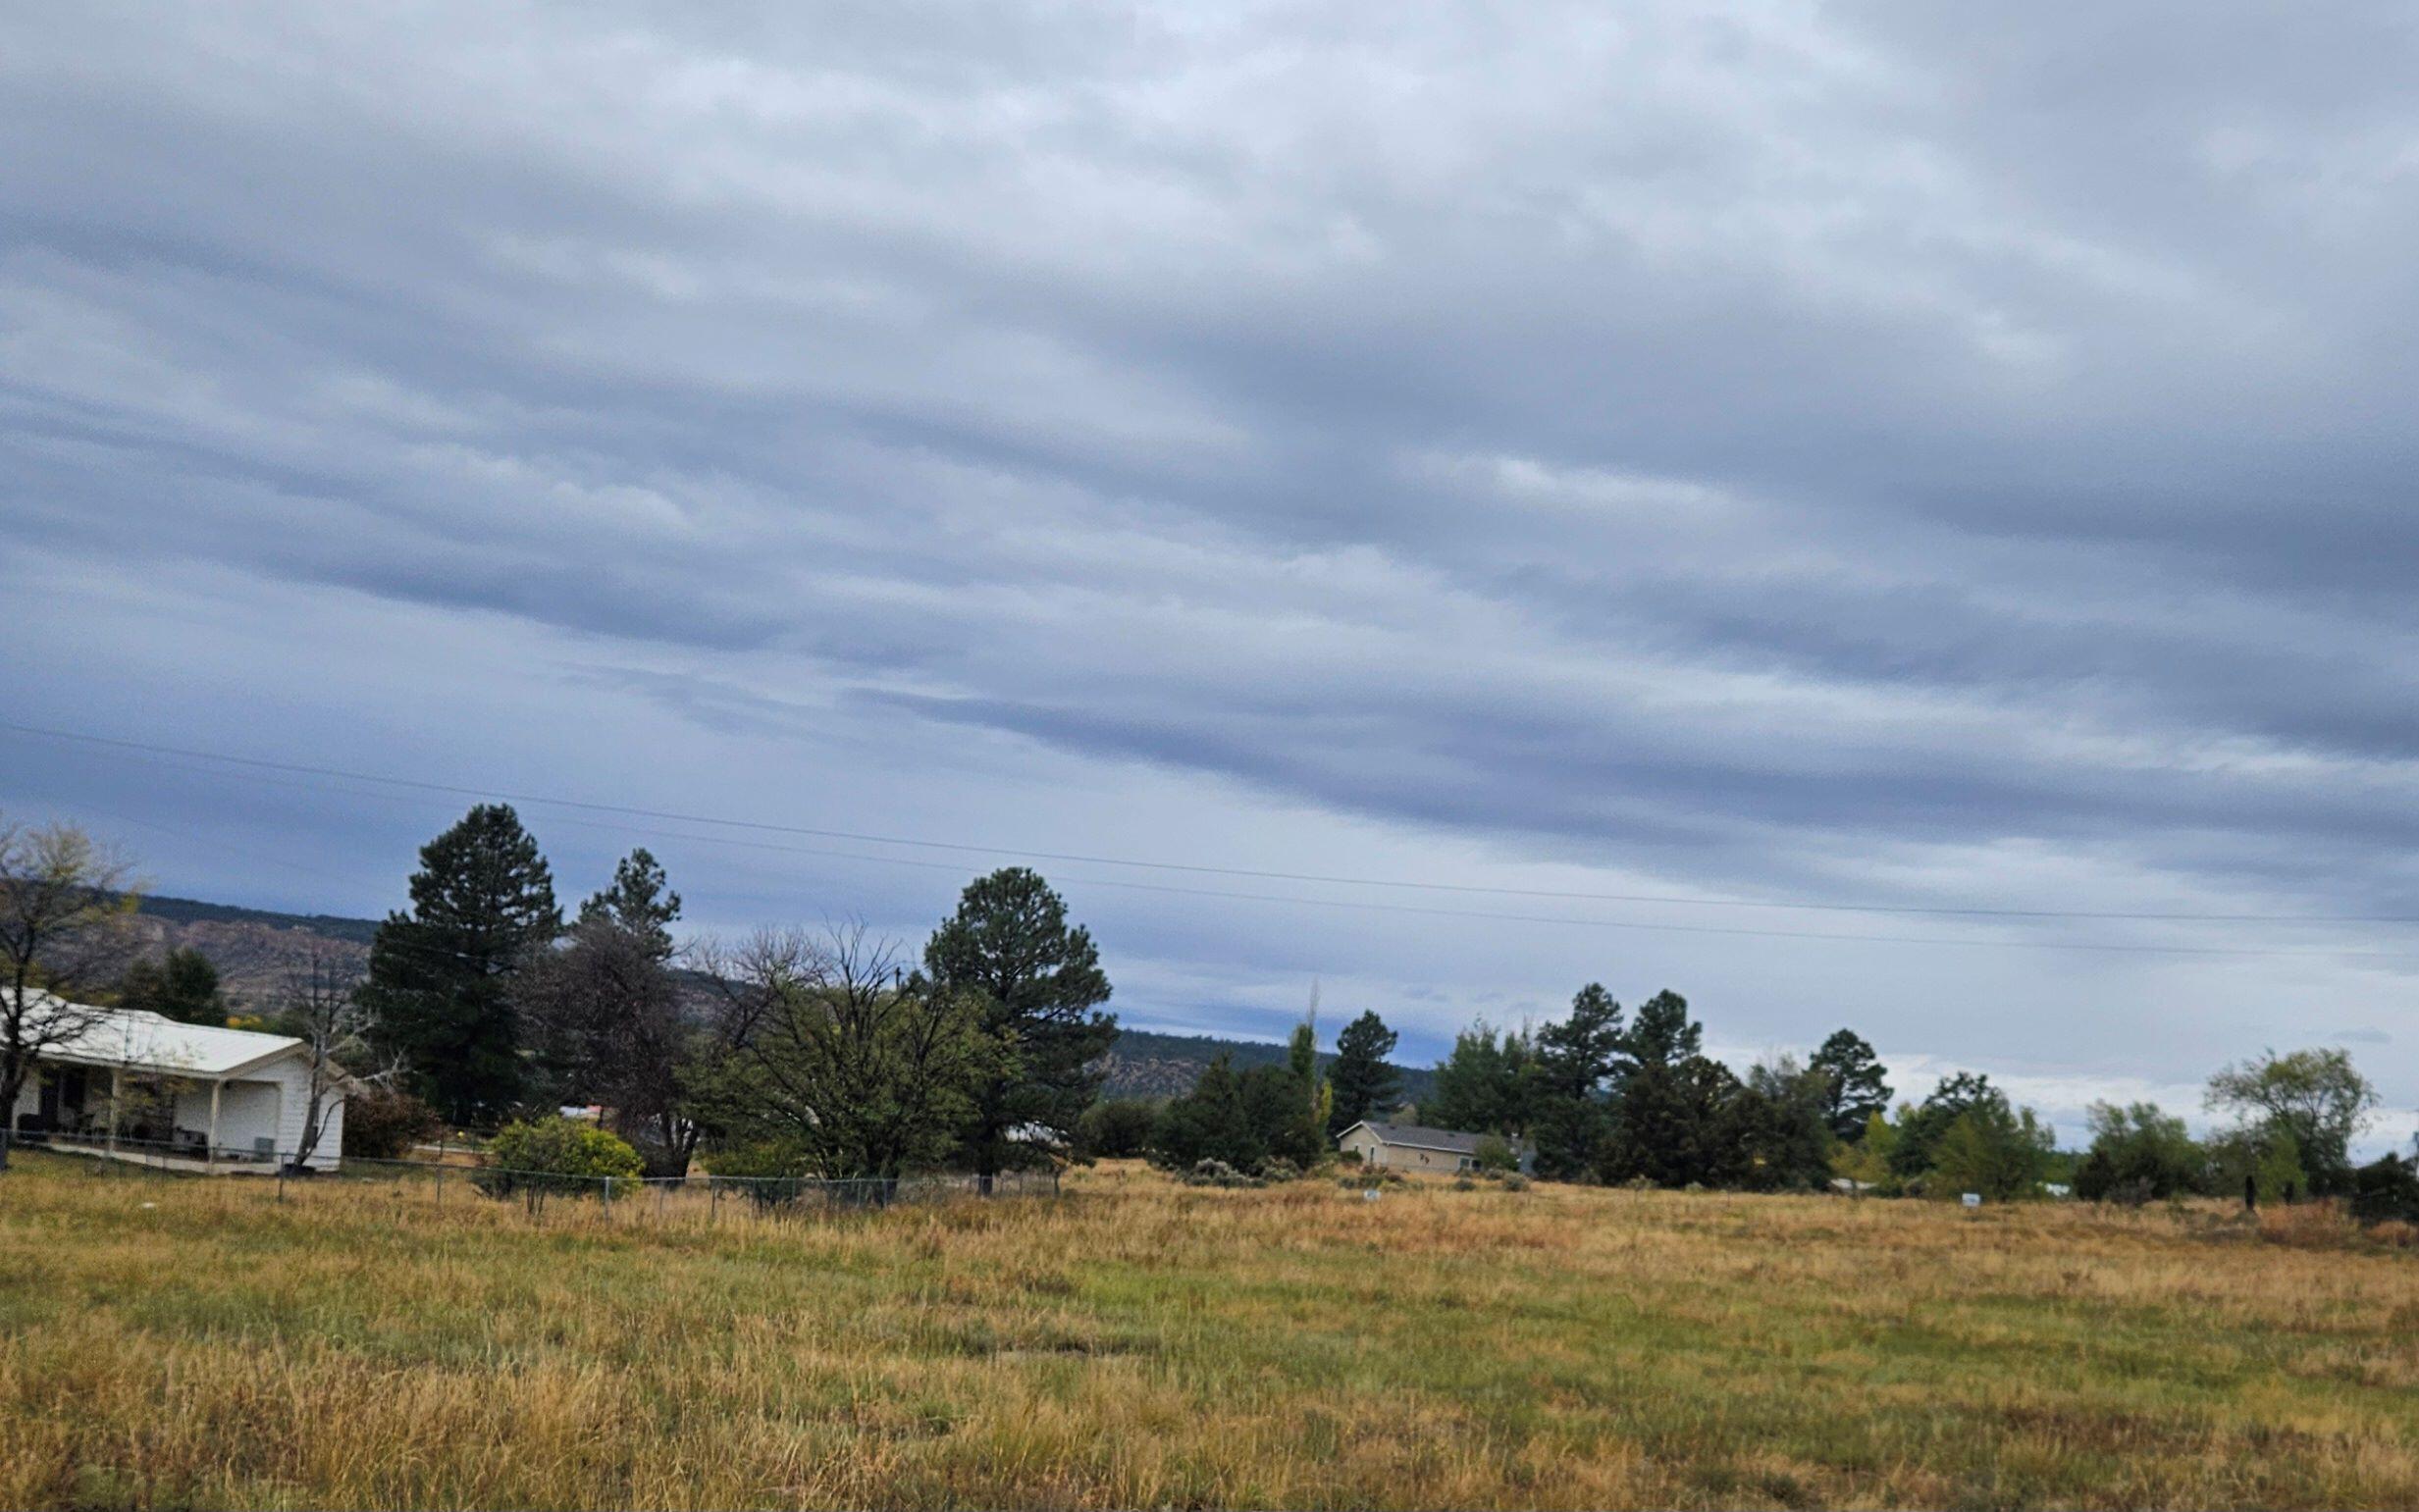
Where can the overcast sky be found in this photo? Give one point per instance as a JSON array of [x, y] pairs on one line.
[[1901, 455]]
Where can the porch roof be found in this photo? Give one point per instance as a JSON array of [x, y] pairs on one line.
[[133, 1039]]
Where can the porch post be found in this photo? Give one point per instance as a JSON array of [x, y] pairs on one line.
[[117, 1077], [210, 1151]]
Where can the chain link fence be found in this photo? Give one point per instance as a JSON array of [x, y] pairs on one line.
[[463, 1176]]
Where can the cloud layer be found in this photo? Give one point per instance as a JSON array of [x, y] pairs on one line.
[[1813, 453]]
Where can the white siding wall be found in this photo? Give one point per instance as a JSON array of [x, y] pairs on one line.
[[269, 1102], [28, 1097], [293, 1076]]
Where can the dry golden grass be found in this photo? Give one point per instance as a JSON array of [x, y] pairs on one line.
[[1138, 1343]]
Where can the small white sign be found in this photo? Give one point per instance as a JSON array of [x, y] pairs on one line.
[[1973, 1199], [1369, 1194]]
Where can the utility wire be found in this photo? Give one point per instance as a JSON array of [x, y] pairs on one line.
[[1249, 873], [2132, 947]]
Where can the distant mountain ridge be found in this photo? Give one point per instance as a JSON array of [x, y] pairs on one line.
[[257, 951]]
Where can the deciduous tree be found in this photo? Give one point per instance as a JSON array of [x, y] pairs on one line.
[[2318, 1096], [846, 1063], [66, 929]]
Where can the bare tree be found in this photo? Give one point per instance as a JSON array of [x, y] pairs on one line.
[[320, 1005], [66, 912], [843, 1056], [604, 1014]]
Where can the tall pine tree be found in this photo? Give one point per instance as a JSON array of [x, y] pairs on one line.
[[480, 902], [1858, 1084], [640, 901], [1366, 1086], [1039, 983], [1576, 1060]]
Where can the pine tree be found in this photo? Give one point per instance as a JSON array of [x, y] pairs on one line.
[[1577, 1059], [640, 901], [1486, 1085], [1366, 1086], [1859, 1085], [1662, 1033], [480, 902], [1040, 985], [182, 985]]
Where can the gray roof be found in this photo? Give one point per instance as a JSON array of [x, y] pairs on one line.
[[1419, 1137]]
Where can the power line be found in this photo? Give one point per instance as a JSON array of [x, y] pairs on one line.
[[187, 754], [1249, 873]]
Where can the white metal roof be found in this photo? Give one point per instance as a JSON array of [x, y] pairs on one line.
[[146, 1042]]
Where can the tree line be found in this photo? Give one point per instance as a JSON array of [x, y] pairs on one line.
[[832, 1053], [1609, 1095], [791, 1051]]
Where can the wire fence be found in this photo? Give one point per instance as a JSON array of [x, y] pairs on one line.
[[463, 1176]]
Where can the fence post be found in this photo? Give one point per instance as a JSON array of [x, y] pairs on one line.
[[281, 1181], [713, 1201]]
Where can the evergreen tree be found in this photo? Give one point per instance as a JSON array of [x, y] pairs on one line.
[[1678, 1123], [1486, 1086], [1785, 1119], [182, 985], [1366, 1086], [1040, 986], [1858, 1089], [1576, 1060], [640, 901], [1662, 1033], [1209, 1123], [480, 902]]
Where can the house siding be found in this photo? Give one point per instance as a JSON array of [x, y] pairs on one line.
[[268, 1102]]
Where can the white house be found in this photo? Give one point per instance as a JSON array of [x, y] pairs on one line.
[[1411, 1147], [146, 1087]]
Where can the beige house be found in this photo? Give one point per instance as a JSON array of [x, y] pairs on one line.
[[143, 1087], [1411, 1147]]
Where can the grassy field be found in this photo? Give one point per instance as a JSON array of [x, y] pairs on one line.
[[1134, 1344]]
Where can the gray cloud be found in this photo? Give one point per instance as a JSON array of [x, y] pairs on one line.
[[1842, 453]]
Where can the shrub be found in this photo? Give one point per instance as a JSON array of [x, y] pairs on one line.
[[2387, 1192], [1216, 1172], [385, 1122], [1278, 1168], [1514, 1181], [1495, 1153], [1464, 1184], [2139, 1148], [1117, 1129], [557, 1154]]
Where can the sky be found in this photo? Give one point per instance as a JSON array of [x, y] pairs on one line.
[[1645, 496]]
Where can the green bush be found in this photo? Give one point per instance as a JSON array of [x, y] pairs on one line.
[[1117, 1129], [1495, 1154], [558, 1155], [2387, 1192]]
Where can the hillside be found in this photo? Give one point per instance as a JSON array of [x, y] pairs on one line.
[[1144, 1064], [256, 949]]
